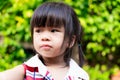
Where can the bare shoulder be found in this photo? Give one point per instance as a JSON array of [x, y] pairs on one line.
[[16, 73]]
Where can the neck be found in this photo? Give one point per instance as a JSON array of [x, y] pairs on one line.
[[54, 62]]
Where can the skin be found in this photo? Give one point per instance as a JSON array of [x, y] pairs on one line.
[[48, 43], [16, 73], [116, 76]]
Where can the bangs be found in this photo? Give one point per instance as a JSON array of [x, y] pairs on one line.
[[48, 16], [53, 14]]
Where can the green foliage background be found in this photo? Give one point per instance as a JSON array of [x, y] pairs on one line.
[[101, 39]]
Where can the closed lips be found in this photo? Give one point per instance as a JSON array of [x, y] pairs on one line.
[[46, 46]]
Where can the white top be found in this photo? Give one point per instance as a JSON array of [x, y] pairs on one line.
[[75, 72]]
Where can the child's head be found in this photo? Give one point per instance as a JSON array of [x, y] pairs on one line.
[[54, 14]]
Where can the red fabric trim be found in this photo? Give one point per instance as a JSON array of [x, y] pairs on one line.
[[31, 78], [69, 77], [32, 69], [24, 68]]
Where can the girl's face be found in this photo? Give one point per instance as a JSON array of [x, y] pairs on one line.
[[48, 41]]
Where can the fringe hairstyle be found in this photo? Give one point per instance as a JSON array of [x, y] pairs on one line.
[[57, 14]]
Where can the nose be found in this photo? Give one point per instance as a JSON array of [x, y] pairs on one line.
[[45, 37]]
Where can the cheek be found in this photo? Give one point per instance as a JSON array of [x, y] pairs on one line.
[[35, 41], [65, 43]]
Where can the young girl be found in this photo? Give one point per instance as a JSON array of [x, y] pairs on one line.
[[55, 30]]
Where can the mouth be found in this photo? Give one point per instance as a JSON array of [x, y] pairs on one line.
[[46, 47]]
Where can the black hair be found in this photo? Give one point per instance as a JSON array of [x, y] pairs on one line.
[[57, 14]]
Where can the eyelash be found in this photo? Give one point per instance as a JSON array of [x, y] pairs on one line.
[[38, 30], [52, 30]]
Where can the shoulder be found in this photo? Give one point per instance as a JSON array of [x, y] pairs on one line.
[[77, 71], [16, 73]]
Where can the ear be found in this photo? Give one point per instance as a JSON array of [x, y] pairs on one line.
[[73, 41]]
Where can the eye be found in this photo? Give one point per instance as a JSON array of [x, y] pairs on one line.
[[37, 30], [54, 30]]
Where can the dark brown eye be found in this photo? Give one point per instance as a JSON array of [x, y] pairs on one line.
[[38, 30], [54, 30]]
